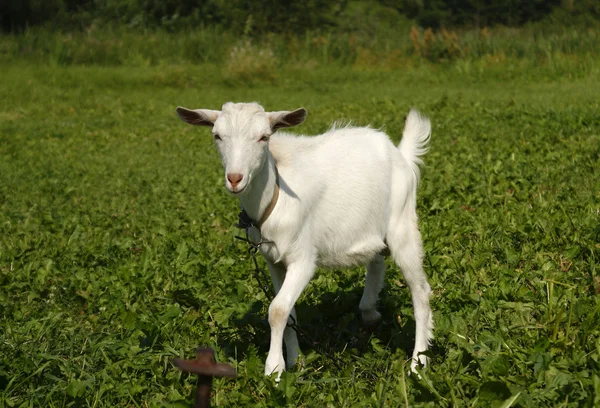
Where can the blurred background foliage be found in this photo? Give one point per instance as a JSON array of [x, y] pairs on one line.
[[253, 39], [259, 17]]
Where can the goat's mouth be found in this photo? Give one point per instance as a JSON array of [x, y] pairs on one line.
[[237, 190]]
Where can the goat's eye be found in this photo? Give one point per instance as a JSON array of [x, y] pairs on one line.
[[217, 137], [265, 138]]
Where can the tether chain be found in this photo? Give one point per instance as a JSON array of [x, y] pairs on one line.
[[245, 223]]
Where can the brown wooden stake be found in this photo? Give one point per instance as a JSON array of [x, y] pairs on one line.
[[205, 366]]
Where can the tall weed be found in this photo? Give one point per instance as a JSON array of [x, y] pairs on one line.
[[250, 63]]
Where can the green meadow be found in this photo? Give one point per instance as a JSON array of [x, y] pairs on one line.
[[117, 236]]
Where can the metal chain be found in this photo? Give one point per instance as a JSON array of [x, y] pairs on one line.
[[259, 274]]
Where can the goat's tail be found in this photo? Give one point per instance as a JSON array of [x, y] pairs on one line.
[[415, 137]]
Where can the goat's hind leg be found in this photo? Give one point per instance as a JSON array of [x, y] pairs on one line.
[[405, 245], [373, 284]]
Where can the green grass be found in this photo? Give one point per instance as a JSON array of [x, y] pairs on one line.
[[117, 249]]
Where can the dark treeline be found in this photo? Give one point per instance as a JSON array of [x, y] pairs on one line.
[[276, 16]]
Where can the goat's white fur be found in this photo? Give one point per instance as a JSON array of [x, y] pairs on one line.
[[343, 196]]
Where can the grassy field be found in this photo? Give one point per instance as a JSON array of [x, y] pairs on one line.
[[117, 249]]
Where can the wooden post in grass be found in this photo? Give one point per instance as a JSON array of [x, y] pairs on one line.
[[205, 366]]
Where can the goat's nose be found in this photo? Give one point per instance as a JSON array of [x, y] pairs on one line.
[[234, 178]]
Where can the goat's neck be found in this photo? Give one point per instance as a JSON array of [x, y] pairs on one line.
[[261, 189]]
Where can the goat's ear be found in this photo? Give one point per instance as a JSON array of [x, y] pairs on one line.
[[283, 119], [198, 117]]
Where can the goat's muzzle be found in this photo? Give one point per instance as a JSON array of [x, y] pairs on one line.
[[234, 179]]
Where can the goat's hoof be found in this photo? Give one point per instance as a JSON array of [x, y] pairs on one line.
[[275, 366], [291, 361], [421, 361], [413, 370], [371, 320], [300, 362]]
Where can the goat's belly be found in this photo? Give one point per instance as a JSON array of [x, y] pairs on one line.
[[360, 253], [332, 251]]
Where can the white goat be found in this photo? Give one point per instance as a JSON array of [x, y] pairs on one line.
[[334, 200]]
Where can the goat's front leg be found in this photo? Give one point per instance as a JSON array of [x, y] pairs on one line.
[[289, 335], [296, 278]]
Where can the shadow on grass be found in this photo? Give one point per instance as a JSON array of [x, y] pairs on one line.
[[331, 326]]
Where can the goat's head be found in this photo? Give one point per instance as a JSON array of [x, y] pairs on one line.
[[241, 132]]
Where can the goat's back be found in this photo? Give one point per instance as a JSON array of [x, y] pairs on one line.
[[342, 181]]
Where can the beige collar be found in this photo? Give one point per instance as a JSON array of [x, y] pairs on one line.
[[273, 202]]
